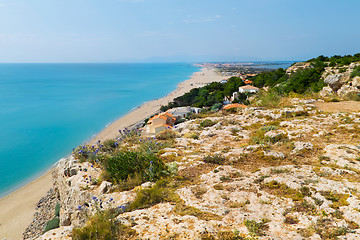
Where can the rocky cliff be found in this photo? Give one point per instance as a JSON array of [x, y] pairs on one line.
[[285, 173], [340, 80]]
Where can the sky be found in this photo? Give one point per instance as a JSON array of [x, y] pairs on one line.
[[176, 30]]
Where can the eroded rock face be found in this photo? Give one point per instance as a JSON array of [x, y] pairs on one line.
[[300, 146], [297, 66], [308, 177], [356, 82], [347, 89], [336, 81], [61, 233], [44, 212], [326, 91]]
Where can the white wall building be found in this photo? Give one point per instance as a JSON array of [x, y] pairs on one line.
[[183, 112], [248, 88]]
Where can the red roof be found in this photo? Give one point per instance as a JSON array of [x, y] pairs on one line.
[[234, 105]]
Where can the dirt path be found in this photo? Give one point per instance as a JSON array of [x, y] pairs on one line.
[[346, 106]]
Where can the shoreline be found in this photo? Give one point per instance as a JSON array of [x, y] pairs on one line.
[[18, 207], [148, 109]]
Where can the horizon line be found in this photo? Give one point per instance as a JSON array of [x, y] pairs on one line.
[[130, 62]]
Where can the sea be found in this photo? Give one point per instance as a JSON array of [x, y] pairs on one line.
[[46, 110]]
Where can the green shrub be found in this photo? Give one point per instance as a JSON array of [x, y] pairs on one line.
[[269, 128], [281, 189], [148, 197], [269, 99], [57, 210], [207, 123], [184, 210], [257, 228], [291, 220], [353, 96], [216, 107], [102, 226], [109, 145], [125, 164], [52, 224], [166, 135], [150, 145], [342, 70], [193, 135], [302, 207], [355, 72], [216, 159]]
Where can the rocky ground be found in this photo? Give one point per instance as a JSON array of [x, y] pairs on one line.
[[288, 173], [44, 212]]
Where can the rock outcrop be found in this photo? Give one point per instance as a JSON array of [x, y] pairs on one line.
[[336, 81], [339, 81], [287, 173]]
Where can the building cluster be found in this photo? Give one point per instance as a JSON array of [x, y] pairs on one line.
[[242, 90], [166, 120]]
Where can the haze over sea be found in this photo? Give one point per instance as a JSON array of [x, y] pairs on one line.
[[49, 109]]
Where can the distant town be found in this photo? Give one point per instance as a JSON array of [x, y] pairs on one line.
[[244, 70]]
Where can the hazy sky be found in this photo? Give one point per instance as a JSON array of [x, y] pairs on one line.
[[176, 30]]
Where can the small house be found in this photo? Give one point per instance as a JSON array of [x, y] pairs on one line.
[[248, 88], [183, 112], [159, 123]]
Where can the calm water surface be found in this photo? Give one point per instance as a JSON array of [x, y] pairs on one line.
[[48, 109]]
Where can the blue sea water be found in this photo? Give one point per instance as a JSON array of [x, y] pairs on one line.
[[48, 109]]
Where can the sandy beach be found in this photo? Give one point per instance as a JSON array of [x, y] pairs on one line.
[[17, 208]]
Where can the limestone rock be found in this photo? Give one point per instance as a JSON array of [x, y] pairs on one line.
[[275, 134], [105, 187], [299, 146], [72, 172], [335, 81], [297, 66], [346, 89], [326, 91], [274, 154], [356, 82], [61, 233]]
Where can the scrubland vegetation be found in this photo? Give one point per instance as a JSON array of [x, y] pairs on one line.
[[227, 167]]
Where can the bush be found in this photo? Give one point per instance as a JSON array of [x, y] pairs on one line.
[[207, 123], [159, 193], [352, 96], [166, 135], [193, 135], [216, 159], [125, 164], [109, 145], [257, 228], [52, 224], [356, 72], [57, 210], [269, 99], [102, 226], [149, 146], [216, 107]]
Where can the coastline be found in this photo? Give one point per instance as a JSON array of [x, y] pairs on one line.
[[198, 79], [18, 207]]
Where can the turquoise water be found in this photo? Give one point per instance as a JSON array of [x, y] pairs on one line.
[[48, 109]]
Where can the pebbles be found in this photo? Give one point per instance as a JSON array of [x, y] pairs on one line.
[[45, 210]]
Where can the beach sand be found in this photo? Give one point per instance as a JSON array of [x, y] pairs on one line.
[[17, 208]]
